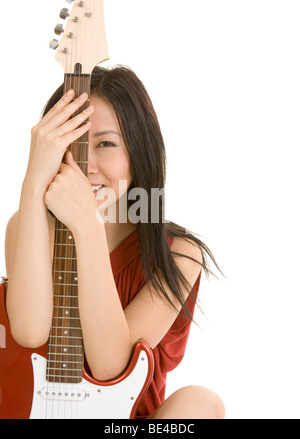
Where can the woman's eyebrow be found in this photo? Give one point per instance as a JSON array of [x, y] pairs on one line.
[[103, 133]]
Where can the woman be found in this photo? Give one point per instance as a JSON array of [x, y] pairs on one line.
[[138, 278]]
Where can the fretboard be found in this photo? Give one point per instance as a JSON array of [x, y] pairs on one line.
[[65, 346]]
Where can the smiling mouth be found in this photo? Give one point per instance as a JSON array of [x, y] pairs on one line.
[[97, 188]]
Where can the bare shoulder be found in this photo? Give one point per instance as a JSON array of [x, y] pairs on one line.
[[187, 247], [188, 256], [150, 316]]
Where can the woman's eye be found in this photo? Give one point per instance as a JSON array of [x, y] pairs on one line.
[[105, 144]]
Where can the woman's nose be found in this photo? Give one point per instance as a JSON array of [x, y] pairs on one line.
[[92, 163]]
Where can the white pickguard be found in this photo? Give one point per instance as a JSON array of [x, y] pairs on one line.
[[86, 400]]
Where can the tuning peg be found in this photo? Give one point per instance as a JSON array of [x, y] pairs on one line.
[[53, 44], [58, 29], [64, 13]]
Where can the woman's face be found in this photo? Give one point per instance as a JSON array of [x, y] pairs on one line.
[[108, 161]]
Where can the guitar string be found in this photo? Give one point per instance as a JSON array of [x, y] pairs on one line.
[[67, 297], [53, 334], [64, 238], [74, 263]]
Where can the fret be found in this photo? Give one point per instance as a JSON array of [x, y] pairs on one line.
[[61, 271], [63, 354], [66, 310], [62, 376], [64, 362], [51, 375], [62, 368], [66, 328], [69, 307], [65, 297], [69, 318], [62, 230], [56, 336], [71, 244], [60, 257], [68, 285], [63, 345], [63, 301], [67, 336], [60, 372]]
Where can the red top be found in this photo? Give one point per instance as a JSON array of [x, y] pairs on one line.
[[129, 278]]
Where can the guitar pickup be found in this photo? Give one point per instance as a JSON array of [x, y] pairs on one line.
[[61, 394]]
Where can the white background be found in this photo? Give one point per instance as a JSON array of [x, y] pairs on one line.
[[224, 79]]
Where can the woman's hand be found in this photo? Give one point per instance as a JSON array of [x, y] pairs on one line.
[[70, 197], [51, 137]]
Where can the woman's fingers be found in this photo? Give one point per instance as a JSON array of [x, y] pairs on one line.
[[74, 135], [62, 103], [64, 111], [74, 123]]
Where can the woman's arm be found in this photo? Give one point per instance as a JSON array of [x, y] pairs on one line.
[[106, 334], [110, 332], [28, 259], [28, 253]]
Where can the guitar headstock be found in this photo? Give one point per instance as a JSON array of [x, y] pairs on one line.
[[83, 41]]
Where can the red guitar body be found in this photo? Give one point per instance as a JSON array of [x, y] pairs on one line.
[[17, 375]]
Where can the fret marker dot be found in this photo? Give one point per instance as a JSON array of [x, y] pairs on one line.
[[70, 237], [76, 279], [66, 332], [65, 350], [64, 365], [59, 277], [66, 312]]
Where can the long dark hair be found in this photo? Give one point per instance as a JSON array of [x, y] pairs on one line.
[[143, 138]]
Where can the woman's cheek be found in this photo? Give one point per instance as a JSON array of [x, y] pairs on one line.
[[120, 177]]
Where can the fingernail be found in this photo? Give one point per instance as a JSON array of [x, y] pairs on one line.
[[83, 96], [90, 109], [70, 92]]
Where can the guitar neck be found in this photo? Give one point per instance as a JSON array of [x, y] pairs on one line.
[[65, 347], [80, 84]]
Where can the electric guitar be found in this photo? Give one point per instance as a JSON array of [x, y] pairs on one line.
[[52, 381]]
